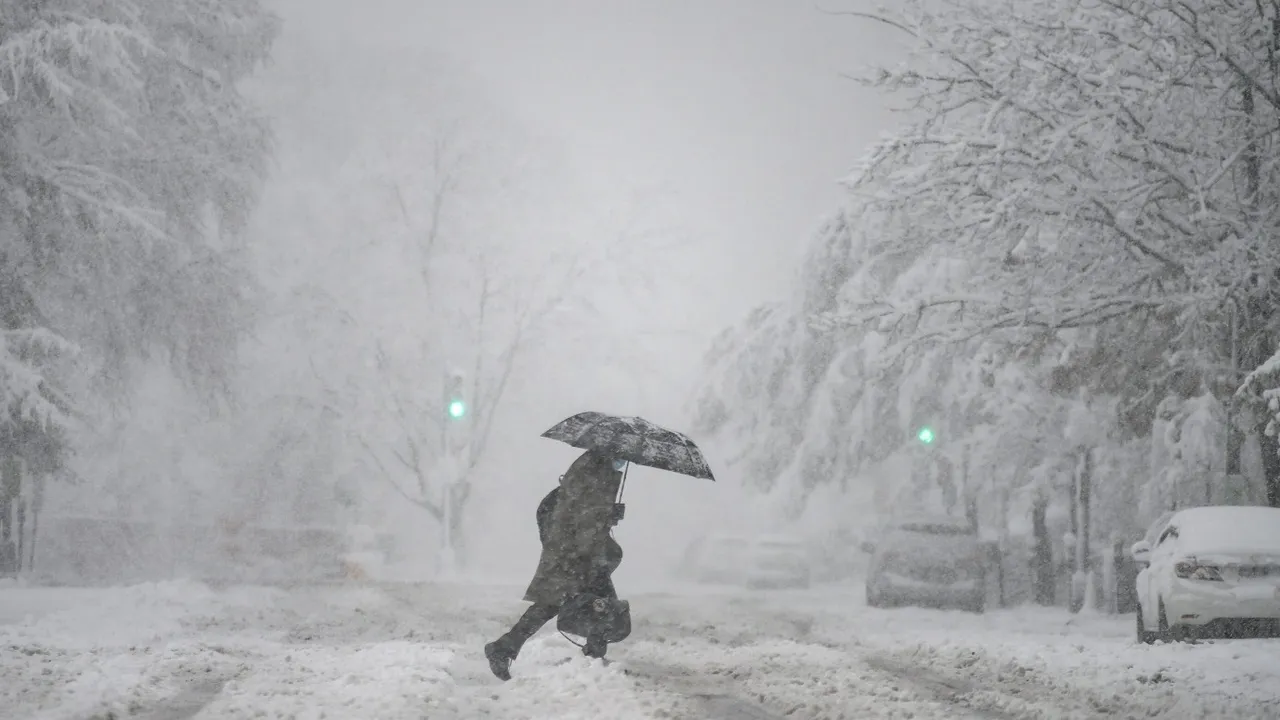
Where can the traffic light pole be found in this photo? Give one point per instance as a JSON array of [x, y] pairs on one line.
[[454, 412], [447, 560]]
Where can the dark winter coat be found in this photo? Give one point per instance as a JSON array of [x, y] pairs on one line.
[[577, 551], [613, 551]]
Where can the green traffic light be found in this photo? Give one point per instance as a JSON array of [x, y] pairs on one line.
[[457, 409], [925, 435]]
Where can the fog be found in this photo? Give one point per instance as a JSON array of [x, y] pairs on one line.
[[642, 173], [720, 125]]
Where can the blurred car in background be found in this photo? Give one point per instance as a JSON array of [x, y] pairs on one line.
[[765, 561], [715, 559], [778, 561], [928, 561]]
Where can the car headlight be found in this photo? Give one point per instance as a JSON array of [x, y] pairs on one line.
[[1192, 570]]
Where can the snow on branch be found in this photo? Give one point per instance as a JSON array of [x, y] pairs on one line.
[[76, 60], [1079, 158], [27, 394]]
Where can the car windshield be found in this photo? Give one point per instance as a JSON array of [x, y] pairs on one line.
[[1153, 532]]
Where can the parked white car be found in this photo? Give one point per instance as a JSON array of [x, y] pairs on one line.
[[766, 561], [1212, 571]]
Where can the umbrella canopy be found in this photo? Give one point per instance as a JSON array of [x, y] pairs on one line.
[[633, 439]]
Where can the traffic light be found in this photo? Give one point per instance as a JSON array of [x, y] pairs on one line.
[[925, 435], [454, 396]]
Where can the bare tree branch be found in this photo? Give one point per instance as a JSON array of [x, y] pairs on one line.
[[432, 509], [869, 16]]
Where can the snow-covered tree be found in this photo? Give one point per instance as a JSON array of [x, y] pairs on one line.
[[1098, 166], [1068, 234], [129, 167]]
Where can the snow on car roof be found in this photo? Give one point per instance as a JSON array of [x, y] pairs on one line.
[[1228, 527]]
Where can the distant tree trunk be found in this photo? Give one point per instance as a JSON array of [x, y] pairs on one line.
[[970, 493], [947, 484], [458, 496], [1256, 313], [10, 485], [1042, 554], [1235, 435], [7, 564], [1083, 565], [1002, 545], [36, 501], [22, 529], [1270, 446]]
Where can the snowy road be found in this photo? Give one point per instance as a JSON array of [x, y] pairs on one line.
[[182, 650]]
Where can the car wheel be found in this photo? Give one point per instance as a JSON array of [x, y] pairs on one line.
[[1175, 633], [1145, 637]]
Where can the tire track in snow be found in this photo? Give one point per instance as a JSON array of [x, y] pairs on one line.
[[946, 690], [713, 700], [187, 704], [1011, 695]]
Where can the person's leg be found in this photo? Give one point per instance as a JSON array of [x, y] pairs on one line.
[[503, 651], [528, 625], [595, 648]]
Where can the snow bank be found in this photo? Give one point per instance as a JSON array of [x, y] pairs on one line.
[[552, 680], [169, 650], [63, 647], [75, 618], [383, 680]]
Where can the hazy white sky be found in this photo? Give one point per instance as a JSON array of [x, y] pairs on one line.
[[737, 106]]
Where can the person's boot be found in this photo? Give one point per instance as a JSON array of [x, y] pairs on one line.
[[595, 649], [499, 657]]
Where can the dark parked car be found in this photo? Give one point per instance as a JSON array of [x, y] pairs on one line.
[[930, 561]]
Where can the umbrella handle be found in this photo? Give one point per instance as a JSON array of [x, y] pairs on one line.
[[623, 485]]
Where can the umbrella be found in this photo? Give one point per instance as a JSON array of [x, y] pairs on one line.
[[633, 439]]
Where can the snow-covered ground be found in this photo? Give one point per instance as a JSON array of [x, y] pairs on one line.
[[184, 650]]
